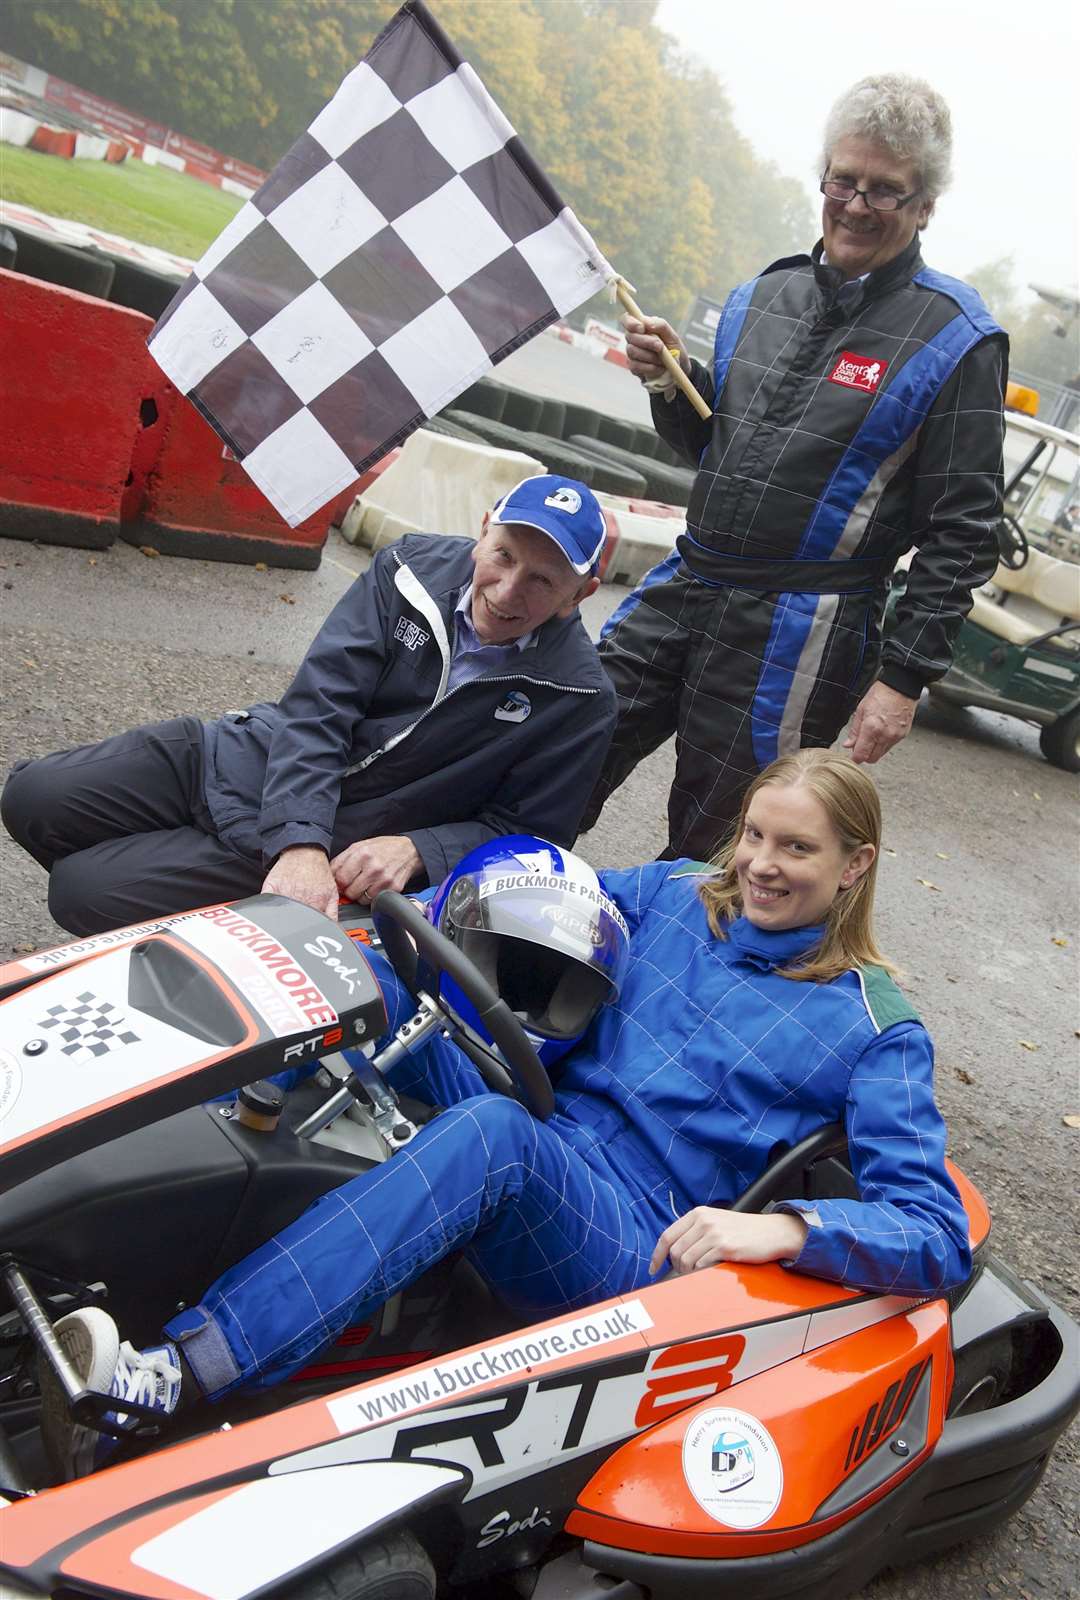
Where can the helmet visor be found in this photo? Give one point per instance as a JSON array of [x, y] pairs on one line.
[[555, 950]]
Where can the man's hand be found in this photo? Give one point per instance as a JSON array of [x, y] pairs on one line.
[[707, 1235], [644, 343], [882, 718], [364, 869], [303, 873]]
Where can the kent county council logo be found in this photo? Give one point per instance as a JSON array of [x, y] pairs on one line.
[[732, 1468], [858, 372]]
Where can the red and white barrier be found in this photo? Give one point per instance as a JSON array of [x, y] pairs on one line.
[[124, 131], [602, 348]]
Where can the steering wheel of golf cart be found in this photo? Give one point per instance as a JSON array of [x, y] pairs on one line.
[[1013, 547], [408, 936]]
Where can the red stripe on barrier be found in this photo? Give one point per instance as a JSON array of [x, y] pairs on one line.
[[618, 356]]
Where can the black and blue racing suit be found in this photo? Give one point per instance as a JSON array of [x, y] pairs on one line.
[[850, 423]]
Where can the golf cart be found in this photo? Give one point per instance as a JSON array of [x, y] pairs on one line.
[[1018, 650]]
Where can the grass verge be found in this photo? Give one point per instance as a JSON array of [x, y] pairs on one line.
[[151, 205]]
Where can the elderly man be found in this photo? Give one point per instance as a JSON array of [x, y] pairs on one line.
[[451, 695], [857, 412]]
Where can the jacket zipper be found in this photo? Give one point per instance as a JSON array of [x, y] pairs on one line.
[[398, 738]]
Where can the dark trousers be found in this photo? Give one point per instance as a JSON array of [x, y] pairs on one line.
[[123, 830], [739, 677]]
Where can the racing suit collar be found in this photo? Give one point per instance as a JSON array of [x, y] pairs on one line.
[[768, 948], [901, 269]]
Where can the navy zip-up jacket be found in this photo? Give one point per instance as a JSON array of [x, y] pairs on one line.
[[846, 428], [367, 740]]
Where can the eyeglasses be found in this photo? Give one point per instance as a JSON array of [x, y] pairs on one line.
[[876, 199]]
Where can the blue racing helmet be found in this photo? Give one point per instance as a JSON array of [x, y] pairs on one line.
[[537, 924]]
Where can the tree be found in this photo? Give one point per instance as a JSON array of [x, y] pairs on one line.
[[640, 141]]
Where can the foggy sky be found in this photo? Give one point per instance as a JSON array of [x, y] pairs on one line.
[[1010, 73]]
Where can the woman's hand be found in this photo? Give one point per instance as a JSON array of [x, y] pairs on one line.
[[707, 1235]]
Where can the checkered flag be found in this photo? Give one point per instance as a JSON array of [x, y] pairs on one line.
[[404, 245], [89, 1027]]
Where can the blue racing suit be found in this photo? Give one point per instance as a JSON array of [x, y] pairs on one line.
[[676, 1097]]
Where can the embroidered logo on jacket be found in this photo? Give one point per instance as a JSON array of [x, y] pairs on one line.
[[515, 708], [858, 372], [411, 635]]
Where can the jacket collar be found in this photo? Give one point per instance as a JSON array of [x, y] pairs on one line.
[[766, 948], [901, 269]]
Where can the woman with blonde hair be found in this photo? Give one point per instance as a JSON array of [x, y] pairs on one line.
[[754, 1008]]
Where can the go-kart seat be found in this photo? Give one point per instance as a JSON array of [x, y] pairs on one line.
[[1021, 604]]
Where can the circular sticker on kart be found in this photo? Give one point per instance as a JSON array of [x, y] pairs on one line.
[[732, 1467]]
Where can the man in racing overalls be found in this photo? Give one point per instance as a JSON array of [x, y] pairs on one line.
[[857, 411], [452, 695]]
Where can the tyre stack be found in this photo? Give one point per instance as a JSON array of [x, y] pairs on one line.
[[104, 274], [610, 455]]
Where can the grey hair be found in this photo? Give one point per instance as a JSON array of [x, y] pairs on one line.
[[904, 114]]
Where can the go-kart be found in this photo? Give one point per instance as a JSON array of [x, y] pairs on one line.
[[740, 1431]]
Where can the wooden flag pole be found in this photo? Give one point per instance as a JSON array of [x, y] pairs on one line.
[[670, 359]]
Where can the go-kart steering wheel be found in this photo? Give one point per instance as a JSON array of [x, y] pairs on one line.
[[1013, 547], [407, 934]]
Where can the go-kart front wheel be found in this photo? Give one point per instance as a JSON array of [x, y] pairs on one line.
[[1060, 742], [394, 1568]]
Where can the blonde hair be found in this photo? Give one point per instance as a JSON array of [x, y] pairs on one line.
[[851, 803]]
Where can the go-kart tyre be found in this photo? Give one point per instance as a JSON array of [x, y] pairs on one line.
[[614, 431], [484, 399], [611, 478], [1060, 742], [552, 420], [522, 410], [647, 442], [555, 456], [395, 1568], [579, 419], [141, 288], [669, 485], [451, 430], [88, 271]]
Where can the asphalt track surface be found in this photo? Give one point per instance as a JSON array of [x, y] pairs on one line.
[[978, 890]]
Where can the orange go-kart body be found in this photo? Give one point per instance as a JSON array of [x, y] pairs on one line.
[[743, 1430]]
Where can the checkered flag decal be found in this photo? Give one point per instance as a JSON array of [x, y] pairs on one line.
[[91, 1025], [404, 245]]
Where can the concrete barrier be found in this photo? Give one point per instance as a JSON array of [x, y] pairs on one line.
[[444, 485], [437, 484], [74, 372], [189, 495], [53, 141], [16, 127], [643, 539]]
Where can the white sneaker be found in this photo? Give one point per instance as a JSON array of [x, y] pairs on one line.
[[91, 1342]]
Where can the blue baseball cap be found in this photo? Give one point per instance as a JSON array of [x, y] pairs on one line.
[[565, 510]]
